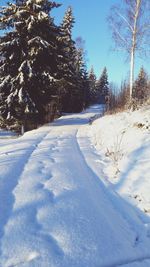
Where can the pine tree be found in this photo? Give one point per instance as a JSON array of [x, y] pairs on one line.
[[140, 89], [102, 87], [29, 59]]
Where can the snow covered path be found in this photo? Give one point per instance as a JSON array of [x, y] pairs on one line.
[[54, 209]]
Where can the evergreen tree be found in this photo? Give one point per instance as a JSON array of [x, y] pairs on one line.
[[29, 58], [102, 87], [69, 52], [140, 89], [86, 89], [82, 72], [92, 85], [82, 80], [72, 100]]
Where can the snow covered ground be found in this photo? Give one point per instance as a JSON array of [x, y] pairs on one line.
[[57, 209], [123, 142], [6, 136]]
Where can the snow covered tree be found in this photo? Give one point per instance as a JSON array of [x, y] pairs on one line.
[[29, 58], [140, 89], [72, 100], [102, 87], [68, 47]]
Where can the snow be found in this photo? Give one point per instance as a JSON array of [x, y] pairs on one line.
[[123, 142], [6, 134], [38, 39], [30, 69], [42, 15], [21, 81], [56, 208], [5, 81], [25, 66], [6, 137]]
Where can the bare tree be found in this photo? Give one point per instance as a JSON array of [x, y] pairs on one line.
[[130, 24]]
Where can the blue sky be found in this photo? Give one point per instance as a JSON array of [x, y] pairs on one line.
[[91, 24]]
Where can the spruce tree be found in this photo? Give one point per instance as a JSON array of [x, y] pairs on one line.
[[102, 87], [29, 59], [72, 100], [140, 88], [82, 79], [92, 85], [83, 74], [86, 89], [69, 48]]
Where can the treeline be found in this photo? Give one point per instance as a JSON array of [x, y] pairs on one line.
[[42, 69], [121, 100]]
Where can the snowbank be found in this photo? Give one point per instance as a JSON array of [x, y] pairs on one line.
[[123, 143]]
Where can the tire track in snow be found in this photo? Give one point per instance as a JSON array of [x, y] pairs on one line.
[[86, 179], [110, 195], [129, 221], [51, 241], [8, 185], [40, 162]]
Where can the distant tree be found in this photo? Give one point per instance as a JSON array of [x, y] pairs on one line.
[[130, 26], [119, 98], [29, 61], [113, 93], [82, 71], [140, 88], [81, 74], [124, 95], [86, 89], [92, 86], [102, 88]]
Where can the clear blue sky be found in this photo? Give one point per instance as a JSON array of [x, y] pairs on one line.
[[91, 25]]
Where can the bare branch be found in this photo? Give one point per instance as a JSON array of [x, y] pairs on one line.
[[131, 29], [126, 21]]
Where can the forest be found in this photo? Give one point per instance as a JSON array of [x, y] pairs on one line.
[[43, 72]]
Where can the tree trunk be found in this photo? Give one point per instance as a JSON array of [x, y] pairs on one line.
[[133, 48], [131, 73], [22, 129]]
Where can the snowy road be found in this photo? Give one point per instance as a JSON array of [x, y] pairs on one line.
[[54, 209]]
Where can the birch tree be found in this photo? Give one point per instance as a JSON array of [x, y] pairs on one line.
[[130, 25]]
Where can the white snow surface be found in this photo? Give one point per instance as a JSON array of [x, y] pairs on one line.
[[6, 137], [56, 208], [123, 144]]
